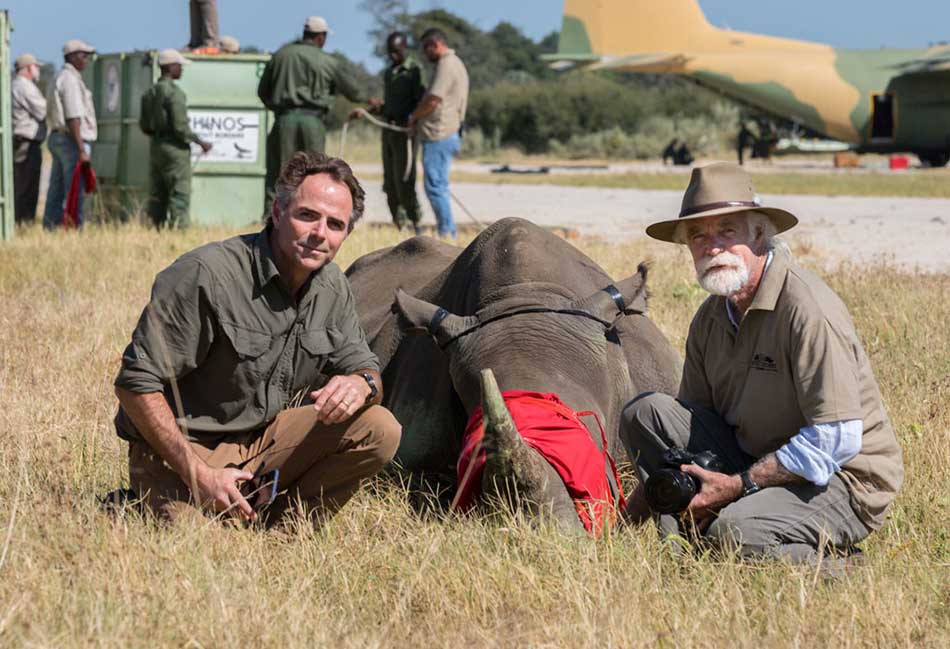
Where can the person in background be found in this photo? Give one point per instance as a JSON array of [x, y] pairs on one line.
[[28, 111], [71, 118], [164, 118], [438, 120], [204, 25], [298, 85]]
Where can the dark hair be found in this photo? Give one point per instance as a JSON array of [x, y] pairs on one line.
[[434, 34], [395, 37], [309, 163]]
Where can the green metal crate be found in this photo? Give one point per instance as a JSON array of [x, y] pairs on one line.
[[228, 182], [7, 213]]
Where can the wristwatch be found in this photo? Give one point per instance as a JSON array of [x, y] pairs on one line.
[[748, 484], [373, 390]]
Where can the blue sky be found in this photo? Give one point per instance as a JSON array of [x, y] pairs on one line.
[[41, 26]]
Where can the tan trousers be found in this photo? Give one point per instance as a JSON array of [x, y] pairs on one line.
[[320, 466]]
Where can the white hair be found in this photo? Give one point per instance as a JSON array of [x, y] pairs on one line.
[[759, 224]]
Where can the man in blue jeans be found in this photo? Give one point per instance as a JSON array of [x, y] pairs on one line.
[[71, 117], [438, 120]]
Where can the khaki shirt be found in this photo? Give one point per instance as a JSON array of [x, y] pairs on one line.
[[28, 108], [69, 98], [450, 84], [795, 361], [240, 348]]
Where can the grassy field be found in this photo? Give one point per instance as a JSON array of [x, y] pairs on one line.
[[379, 576]]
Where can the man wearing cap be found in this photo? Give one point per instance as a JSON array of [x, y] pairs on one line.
[[775, 383], [403, 87], [298, 84], [73, 129], [29, 131], [438, 119], [164, 118]]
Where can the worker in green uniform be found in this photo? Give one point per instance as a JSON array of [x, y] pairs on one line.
[[403, 87], [164, 118], [298, 84]]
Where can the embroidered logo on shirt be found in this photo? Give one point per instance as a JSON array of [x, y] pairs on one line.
[[763, 362]]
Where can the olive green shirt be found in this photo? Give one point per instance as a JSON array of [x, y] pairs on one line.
[[302, 75], [167, 102], [795, 361], [403, 87], [240, 348]]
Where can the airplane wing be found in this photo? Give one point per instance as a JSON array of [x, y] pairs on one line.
[[650, 62], [937, 62]]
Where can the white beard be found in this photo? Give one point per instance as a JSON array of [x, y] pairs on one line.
[[722, 281]]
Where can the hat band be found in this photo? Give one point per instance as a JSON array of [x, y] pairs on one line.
[[715, 206]]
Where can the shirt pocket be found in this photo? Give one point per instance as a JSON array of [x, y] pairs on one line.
[[315, 350], [250, 347]]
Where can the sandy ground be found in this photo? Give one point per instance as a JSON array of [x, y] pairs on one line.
[[913, 233]]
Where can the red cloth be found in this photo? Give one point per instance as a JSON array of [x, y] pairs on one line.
[[559, 435], [84, 174]]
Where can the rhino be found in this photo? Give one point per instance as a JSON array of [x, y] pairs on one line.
[[518, 309]]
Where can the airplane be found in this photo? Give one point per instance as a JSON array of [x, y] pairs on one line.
[[880, 100]]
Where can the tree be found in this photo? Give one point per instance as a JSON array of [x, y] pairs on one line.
[[388, 16]]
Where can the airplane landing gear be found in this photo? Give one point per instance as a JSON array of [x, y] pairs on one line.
[[935, 158]]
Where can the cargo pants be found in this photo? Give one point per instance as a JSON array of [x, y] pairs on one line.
[[790, 521], [169, 199], [320, 466], [294, 130], [400, 194]]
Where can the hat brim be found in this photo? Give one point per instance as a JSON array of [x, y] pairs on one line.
[[664, 230]]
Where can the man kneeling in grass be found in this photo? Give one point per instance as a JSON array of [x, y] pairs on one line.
[[775, 384], [250, 357]]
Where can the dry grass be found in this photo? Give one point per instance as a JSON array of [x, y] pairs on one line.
[[380, 576]]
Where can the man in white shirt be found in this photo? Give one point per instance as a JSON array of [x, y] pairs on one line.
[[73, 129], [29, 130]]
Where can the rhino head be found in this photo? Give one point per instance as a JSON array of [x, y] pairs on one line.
[[536, 340]]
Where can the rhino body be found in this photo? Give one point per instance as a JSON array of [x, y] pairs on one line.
[[433, 382]]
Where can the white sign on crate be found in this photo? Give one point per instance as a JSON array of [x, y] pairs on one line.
[[234, 134]]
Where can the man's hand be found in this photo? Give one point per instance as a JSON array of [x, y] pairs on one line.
[[84, 158], [374, 103], [716, 491], [218, 489], [356, 113], [205, 146], [340, 398]]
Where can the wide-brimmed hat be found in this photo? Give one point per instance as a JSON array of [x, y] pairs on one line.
[[717, 189]]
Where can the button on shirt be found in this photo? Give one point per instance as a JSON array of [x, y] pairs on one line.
[[28, 109], [240, 347], [403, 87], [450, 84], [69, 98], [795, 361]]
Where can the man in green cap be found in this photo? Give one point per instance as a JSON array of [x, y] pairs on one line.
[[403, 87], [164, 118], [298, 85]]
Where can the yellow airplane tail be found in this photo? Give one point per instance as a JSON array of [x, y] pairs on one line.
[[592, 29]]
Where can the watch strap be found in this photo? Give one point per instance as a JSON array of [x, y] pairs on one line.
[[373, 388], [749, 486]]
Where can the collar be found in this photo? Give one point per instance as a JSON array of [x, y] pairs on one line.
[[68, 67], [729, 312], [772, 283], [264, 263]]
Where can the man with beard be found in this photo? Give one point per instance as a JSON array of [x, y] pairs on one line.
[[775, 383]]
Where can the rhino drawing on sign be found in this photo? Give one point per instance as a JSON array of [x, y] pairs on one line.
[[538, 313]]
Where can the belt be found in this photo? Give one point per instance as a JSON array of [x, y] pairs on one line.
[[316, 112]]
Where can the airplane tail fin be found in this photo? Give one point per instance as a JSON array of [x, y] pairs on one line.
[[592, 29]]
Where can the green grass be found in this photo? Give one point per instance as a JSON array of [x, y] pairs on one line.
[[378, 575]]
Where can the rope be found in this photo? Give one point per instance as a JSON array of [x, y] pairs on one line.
[[410, 153], [410, 142]]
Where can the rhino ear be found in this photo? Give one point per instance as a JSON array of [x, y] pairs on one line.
[[625, 297], [418, 317]]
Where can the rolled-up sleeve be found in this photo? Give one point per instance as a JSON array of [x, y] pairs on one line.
[[174, 331], [817, 452], [350, 352]]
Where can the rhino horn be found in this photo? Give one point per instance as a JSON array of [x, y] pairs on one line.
[[510, 464], [419, 316], [633, 298]]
